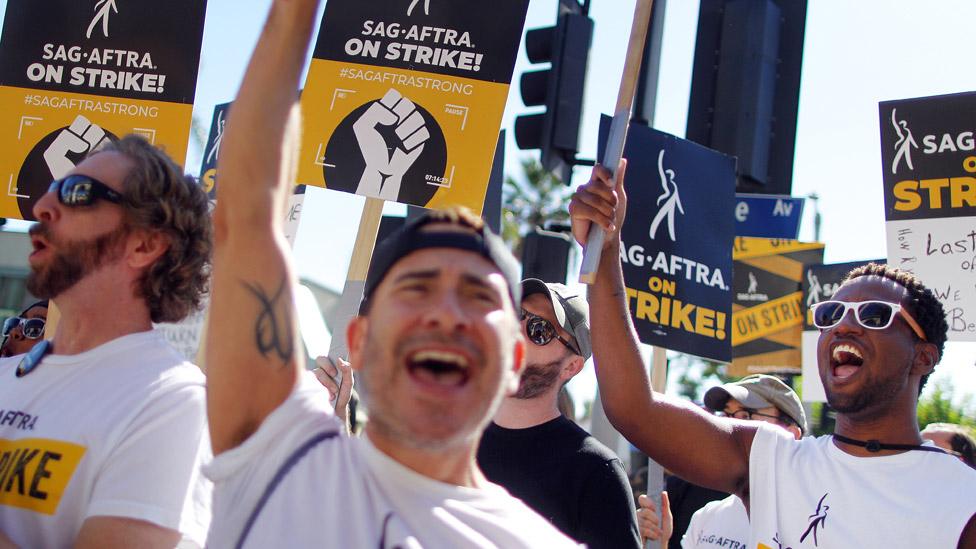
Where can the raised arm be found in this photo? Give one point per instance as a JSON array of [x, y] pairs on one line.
[[253, 353], [698, 447]]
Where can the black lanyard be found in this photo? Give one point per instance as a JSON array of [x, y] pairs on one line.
[[875, 446]]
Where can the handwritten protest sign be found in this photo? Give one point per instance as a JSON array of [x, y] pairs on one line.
[[676, 241], [404, 101], [74, 73], [929, 170]]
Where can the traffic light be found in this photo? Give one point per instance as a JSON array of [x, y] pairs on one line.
[[745, 87], [545, 255], [559, 89]]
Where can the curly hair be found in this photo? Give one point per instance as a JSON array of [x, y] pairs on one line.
[[922, 304], [158, 196]]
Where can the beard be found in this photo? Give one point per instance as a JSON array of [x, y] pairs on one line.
[[74, 260], [538, 378], [873, 399], [423, 426]]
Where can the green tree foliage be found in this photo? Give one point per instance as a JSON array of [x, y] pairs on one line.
[[530, 201], [938, 406]]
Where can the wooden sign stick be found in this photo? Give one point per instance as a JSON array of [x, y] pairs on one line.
[[618, 127], [352, 291]]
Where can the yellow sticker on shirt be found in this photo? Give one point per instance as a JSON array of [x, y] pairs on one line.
[[34, 472]]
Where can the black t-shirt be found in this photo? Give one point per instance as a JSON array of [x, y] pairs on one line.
[[566, 476]]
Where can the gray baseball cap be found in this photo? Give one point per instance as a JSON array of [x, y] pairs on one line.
[[572, 310], [759, 391]]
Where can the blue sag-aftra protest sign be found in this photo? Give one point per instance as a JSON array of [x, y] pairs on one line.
[[676, 243]]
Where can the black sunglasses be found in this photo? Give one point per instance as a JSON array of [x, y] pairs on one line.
[[32, 328], [81, 190], [540, 331]]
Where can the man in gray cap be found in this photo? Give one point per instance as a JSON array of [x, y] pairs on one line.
[[539, 455], [759, 397], [725, 523]]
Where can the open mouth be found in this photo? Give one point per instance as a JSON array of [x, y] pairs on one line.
[[439, 367], [845, 359]]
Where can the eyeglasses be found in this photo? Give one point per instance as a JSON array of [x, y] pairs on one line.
[[81, 190], [750, 413], [540, 331], [873, 315], [32, 328]]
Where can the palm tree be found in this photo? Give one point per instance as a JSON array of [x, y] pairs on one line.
[[532, 201]]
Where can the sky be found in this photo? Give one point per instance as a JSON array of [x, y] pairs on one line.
[[856, 54]]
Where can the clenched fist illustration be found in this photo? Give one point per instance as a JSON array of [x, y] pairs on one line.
[[386, 163], [79, 138]]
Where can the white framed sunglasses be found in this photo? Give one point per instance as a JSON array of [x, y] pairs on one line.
[[872, 314]]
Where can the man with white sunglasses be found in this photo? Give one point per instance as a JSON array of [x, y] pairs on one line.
[[872, 484], [22, 332]]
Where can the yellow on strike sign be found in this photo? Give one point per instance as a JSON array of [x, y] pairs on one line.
[[767, 312], [97, 71], [404, 101]]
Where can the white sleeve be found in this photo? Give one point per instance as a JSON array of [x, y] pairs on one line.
[[693, 533], [153, 473]]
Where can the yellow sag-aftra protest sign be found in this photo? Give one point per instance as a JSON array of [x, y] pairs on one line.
[[767, 311], [74, 73], [404, 99]]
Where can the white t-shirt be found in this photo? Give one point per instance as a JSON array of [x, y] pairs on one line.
[[810, 493], [296, 482], [119, 430], [723, 523]]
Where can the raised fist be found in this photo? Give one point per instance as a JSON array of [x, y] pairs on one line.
[[79, 138], [386, 163]]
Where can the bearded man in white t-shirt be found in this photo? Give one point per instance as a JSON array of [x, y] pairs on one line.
[[437, 346], [874, 483], [103, 430]]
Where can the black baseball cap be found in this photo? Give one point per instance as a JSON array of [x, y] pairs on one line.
[[476, 237]]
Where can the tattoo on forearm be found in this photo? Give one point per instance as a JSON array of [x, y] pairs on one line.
[[272, 327]]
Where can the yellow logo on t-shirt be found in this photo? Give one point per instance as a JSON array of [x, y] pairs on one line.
[[34, 472]]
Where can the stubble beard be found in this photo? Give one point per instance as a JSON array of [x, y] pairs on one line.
[[537, 378], [384, 419], [73, 261]]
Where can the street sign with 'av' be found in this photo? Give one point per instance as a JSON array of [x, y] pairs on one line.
[[768, 215]]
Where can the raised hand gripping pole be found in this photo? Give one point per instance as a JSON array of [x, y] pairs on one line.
[[618, 128]]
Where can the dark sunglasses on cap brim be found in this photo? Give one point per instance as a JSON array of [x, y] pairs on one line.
[[32, 328], [873, 315], [82, 190]]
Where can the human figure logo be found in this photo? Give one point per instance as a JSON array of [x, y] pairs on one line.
[[103, 9], [670, 199], [817, 519], [414, 4], [905, 143], [215, 149], [815, 289]]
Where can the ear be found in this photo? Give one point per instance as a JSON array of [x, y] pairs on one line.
[[795, 431], [513, 376], [356, 340], [925, 359], [145, 247], [571, 368]]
